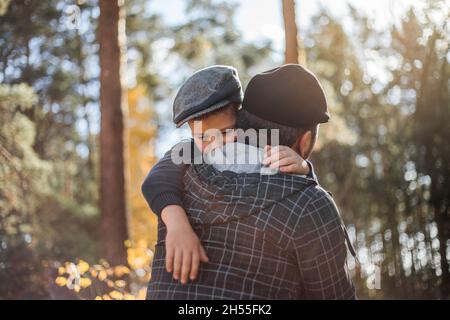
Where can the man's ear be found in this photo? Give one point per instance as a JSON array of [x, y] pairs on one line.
[[304, 144]]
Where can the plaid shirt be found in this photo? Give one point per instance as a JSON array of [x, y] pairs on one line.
[[267, 237]]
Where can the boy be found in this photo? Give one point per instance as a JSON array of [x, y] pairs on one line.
[[209, 102]]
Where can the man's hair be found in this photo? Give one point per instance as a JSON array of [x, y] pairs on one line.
[[287, 135]]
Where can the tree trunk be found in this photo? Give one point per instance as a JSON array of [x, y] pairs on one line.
[[112, 135], [293, 53], [444, 236]]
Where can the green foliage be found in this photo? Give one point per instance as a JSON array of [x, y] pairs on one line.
[[20, 165], [209, 36], [36, 221], [392, 183], [24, 180], [48, 193]]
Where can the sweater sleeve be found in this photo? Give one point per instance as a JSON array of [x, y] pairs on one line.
[[163, 185], [321, 251]]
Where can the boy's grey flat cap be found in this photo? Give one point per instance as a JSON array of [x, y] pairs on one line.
[[206, 90]]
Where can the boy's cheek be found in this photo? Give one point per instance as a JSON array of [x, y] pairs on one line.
[[230, 137], [209, 146], [217, 142], [199, 144]]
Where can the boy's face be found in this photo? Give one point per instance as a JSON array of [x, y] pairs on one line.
[[210, 131]]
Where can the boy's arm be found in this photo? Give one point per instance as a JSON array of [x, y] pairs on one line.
[[163, 189], [163, 185]]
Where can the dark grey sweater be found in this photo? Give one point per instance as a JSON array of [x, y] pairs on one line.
[[163, 185]]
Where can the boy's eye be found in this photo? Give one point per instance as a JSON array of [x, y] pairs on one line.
[[209, 138], [203, 138]]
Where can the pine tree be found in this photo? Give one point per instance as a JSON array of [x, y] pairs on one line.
[[293, 52], [112, 136]]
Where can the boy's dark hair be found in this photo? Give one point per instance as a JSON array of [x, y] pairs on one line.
[[232, 108], [288, 135]]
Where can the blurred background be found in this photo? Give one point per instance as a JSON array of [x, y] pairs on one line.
[[86, 91]]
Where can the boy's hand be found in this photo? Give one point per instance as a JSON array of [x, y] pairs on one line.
[[184, 251], [285, 159]]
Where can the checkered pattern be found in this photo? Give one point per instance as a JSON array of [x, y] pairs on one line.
[[267, 237]]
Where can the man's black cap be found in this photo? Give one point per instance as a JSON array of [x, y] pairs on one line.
[[289, 95]]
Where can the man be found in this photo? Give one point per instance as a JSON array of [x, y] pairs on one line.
[[266, 236]]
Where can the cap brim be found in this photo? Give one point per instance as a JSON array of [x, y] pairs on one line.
[[211, 108]]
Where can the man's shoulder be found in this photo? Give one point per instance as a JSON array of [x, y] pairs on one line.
[[320, 201], [317, 193], [319, 211]]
